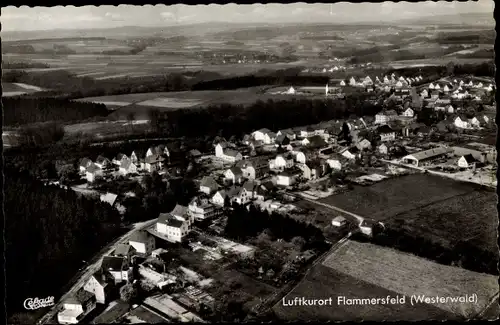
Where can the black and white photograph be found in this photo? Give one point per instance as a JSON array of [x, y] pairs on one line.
[[250, 163]]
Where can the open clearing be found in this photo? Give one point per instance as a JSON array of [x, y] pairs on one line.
[[390, 197], [324, 282], [409, 275], [16, 89], [476, 212]]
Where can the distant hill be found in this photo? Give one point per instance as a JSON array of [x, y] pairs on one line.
[[481, 19]]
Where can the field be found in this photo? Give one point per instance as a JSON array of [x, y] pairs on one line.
[[324, 282], [141, 103], [476, 212], [393, 196], [409, 275], [15, 89], [102, 130], [433, 62]]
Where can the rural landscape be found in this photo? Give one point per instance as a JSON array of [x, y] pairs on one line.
[[250, 163]]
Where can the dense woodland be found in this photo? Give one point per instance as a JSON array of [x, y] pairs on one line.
[[19, 110], [227, 120], [463, 254], [53, 230]]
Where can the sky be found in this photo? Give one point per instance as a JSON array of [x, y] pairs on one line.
[[69, 17]]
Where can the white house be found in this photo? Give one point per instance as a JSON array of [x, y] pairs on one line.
[[92, 173], [446, 88], [287, 178], [219, 198], [181, 212], [173, 229], [450, 109], [264, 135], [102, 162], [281, 162], [437, 87], [352, 81], [386, 133], [399, 84], [76, 307], [300, 157], [339, 221], [424, 93], [342, 83], [431, 86], [142, 242], [408, 112], [467, 161], [234, 175], [134, 158], [203, 210], [383, 149], [238, 195], [119, 158], [334, 164], [208, 185], [351, 153], [227, 154], [97, 285], [461, 123], [127, 167], [158, 150], [84, 164], [118, 267], [474, 122]]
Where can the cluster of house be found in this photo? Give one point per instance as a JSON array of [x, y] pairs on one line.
[[387, 83], [467, 156], [117, 270], [154, 160], [437, 93]]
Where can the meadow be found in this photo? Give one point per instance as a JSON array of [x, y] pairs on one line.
[[325, 282], [408, 275], [15, 89]]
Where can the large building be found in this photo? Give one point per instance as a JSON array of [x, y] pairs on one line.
[[424, 157]]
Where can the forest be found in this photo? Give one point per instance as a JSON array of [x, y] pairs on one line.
[[48, 232], [227, 120], [463, 254], [20, 110]]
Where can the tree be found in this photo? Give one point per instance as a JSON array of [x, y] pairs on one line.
[[128, 293], [299, 242]]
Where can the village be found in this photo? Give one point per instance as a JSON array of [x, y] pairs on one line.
[[273, 171]]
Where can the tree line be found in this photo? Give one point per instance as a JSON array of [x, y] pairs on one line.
[[463, 254], [20, 110], [48, 232], [227, 119], [243, 224]]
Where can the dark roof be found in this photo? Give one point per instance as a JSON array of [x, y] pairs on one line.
[[113, 263], [209, 182], [384, 129], [125, 164], [101, 159], [316, 141], [282, 139], [169, 220], [391, 112], [92, 168], [291, 172], [85, 162], [80, 297], [264, 130], [122, 250], [179, 211], [423, 129], [249, 186], [195, 153], [236, 171], [120, 156], [234, 191], [231, 152], [140, 236], [286, 132], [353, 150], [153, 159], [470, 159]]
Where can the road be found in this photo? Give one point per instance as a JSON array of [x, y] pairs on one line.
[[331, 207], [92, 268]]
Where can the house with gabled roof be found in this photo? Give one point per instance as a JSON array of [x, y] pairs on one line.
[[160, 150], [142, 242], [76, 307], [102, 162], [109, 198], [467, 161], [181, 212], [225, 153], [118, 267], [93, 172], [119, 158], [233, 175], [288, 177], [315, 141], [386, 133], [202, 209], [127, 167], [208, 185], [153, 163], [98, 286], [282, 161], [125, 250], [219, 198], [350, 153], [238, 195], [171, 228], [84, 164], [264, 135], [250, 187], [282, 140]]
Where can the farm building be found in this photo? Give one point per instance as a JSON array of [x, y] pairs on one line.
[[426, 156], [467, 161], [339, 221]]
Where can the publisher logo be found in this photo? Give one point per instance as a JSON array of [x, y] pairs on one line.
[[37, 303]]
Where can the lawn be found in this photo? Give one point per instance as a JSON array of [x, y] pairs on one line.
[[408, 275], [475, 212], [324, 282], [385, 199]]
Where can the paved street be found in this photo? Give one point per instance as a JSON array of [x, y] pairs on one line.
[[93, 268]]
